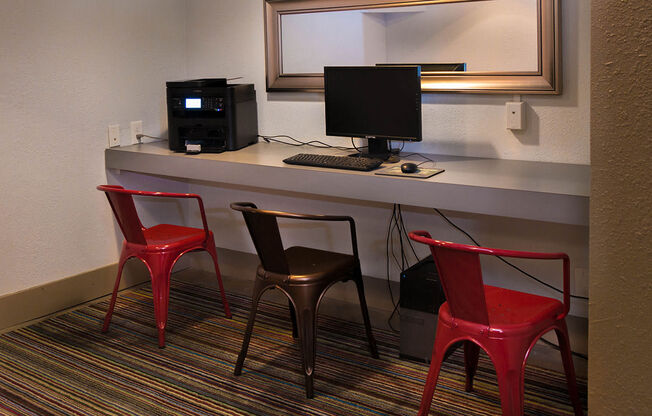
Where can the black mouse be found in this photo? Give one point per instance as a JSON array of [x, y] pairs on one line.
[[409, 167]]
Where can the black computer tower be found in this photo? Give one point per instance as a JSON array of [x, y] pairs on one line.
[[421, 297], [211, 115]]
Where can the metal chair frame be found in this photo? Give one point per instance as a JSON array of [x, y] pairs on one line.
[[159, 247], [305, 291]]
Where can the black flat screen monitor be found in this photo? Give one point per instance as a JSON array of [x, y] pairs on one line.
[[373, 102]]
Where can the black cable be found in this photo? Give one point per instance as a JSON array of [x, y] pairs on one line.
[[420, 155], [389, 286], [505, 261], [319, 144], [555, 346], [397, 227], [545, 341], [396, 150], [356, 147], [400, 213]]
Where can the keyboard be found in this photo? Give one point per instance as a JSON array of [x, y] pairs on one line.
[[335, 162]]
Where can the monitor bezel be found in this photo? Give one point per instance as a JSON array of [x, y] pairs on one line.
[[369, 135]]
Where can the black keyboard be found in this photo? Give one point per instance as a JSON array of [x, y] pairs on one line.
[[335, 162]]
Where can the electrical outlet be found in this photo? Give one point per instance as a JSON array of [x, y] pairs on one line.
[[114, 135], [136, 128], [515, 115]]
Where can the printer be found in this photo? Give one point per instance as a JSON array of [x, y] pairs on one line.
[[210, 115]]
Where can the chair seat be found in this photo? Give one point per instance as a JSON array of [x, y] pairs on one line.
[[311, 265], [507, 308], [168, 235]]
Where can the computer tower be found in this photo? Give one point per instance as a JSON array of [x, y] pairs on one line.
[[421, 297], [211, 115]]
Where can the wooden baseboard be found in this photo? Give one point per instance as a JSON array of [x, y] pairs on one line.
[[40, 301]]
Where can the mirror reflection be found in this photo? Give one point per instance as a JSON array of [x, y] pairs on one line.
[[489, 36]]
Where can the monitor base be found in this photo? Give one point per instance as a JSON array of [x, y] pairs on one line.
[[379, 149]]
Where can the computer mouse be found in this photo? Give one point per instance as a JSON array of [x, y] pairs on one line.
[[409, 167]]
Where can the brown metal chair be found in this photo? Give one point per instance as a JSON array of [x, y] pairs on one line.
[[303, 274]]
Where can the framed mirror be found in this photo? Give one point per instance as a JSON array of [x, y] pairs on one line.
[[480, 46]]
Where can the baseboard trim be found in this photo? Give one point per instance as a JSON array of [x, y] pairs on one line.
[[40, 301]]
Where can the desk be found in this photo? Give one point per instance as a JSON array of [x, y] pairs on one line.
[[552, 192]]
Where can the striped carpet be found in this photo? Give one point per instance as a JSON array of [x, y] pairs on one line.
[[66, 366]]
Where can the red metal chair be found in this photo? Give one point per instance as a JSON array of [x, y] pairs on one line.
[[159, 247], [505, 323]]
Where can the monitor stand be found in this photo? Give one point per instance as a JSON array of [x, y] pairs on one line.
[[379, 149]]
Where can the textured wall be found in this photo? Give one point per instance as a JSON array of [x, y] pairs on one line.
[[68, 69], [621, 202]]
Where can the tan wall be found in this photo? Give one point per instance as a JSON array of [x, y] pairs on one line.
[[620, 333]]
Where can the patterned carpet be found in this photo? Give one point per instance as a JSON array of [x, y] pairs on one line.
[[66, 366]]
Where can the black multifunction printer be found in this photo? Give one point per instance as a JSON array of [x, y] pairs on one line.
[[209, 115]]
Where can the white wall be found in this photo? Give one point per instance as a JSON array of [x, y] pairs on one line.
[[71, 68], [462, 124], [226, 38], [310, 42], [488, 36], [68, 69]]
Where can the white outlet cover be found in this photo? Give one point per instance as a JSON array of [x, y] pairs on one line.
[[114, 135], [136, 128]]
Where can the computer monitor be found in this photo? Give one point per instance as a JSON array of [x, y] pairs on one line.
[[374, 102]]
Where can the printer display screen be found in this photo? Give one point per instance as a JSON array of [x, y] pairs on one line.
[[193, 103]]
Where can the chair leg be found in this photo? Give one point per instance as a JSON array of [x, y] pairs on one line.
[[107, 318], [438, 353], [293, 318], [569, 368], [365, 314], [471, 353], [259, 288], [307, 325], [509, 372], [160, 267], [211, 250]]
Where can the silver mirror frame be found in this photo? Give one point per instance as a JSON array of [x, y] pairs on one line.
[[546, 80]]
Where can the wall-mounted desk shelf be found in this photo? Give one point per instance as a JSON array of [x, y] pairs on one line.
[[541, 191]]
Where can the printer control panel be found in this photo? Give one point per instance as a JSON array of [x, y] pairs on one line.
[[198, 103]]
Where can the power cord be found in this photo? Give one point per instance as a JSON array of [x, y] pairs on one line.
[[359, 149], [313, 143], [396, 224], [545, 341], [423, 156], [555, 346], [505, 261], [140, 136]]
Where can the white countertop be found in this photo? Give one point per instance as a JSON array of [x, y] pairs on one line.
[[542, 191]]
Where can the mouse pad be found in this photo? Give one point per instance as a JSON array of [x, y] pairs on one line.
[[422, 173]]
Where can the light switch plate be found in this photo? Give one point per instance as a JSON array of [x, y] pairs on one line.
[[515, 115]]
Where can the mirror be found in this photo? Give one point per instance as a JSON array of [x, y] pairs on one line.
[[504, 46]]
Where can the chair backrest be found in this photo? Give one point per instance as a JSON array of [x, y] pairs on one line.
[[122, 204], [460, 274], [264, 231]]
